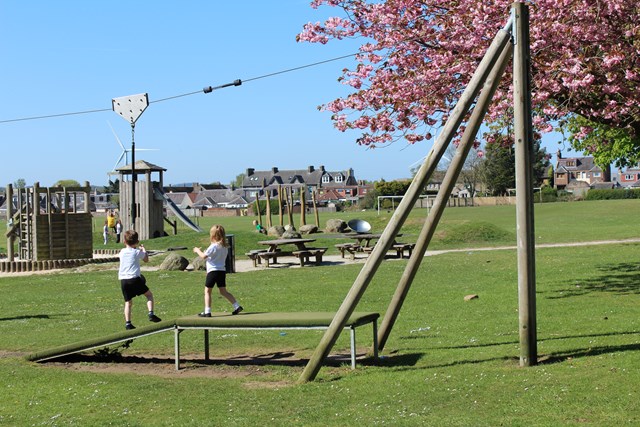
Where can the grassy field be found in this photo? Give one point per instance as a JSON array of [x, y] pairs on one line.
[[447, 361]]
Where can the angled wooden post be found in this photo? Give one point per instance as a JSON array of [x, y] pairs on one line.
[[524, 186], [400, 215], [268, 211], [439, 204]]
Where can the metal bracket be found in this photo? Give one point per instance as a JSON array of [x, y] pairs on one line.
[[130, 107]]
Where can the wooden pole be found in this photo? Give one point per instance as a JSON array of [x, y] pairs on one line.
[[280, 211], [258, 210], [268, 208], [303, 207], [440, 202], [524, 187], [315, 208], [400, 215], [290, 205]]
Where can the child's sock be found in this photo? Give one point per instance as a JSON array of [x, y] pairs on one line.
[[236, 305], [207, 310], [151, 313]]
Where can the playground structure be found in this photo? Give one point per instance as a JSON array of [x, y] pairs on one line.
[[149, 201], [511, 41], [49, 223]]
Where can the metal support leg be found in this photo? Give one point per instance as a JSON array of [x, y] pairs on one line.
[[206, 344], [353, 347], [176, 338], [375, 339]]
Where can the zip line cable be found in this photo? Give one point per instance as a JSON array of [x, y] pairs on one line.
[[205, 90]]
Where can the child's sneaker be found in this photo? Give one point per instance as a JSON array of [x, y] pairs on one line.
[[203, 314], [237, 310], [153, 318], [129, 326]]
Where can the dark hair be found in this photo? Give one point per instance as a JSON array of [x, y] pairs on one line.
[[131, 237]]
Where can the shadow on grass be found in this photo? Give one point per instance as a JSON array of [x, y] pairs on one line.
[[563, 356], [622, 278], [564, 337], [33, 316]]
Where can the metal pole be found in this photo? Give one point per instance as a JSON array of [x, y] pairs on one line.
[[404, 208], [449, 181], [524, 187], [133, 177]]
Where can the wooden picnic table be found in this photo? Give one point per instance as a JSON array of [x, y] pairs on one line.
[[367, 238], [302, 252], [275, 243]]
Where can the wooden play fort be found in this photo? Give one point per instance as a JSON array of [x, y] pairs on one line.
[[49, 223]]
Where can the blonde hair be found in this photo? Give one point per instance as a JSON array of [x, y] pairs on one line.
[[218, 235]]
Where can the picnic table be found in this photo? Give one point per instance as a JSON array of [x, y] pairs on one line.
[[302, 252], [365, 239]]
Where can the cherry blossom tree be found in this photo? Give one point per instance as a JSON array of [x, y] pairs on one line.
[[417, 56]]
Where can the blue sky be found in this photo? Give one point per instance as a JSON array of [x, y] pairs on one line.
[[72, 56]]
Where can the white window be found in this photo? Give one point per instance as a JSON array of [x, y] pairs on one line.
[[629, 177], [596, 174], [338, 178], [326, 179]]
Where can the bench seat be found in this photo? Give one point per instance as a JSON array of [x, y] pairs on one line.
[[304, 255], [351, 248]]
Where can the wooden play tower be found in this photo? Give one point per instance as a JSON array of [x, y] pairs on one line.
[[49, 223], [149, 211]]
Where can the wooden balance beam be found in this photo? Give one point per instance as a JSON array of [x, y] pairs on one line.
[[278, 321]]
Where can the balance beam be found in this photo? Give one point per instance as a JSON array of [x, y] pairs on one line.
[[94, 343], [275, 320], [246, 321]]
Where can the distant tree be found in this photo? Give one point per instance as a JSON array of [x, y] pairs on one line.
[[113, 186], [391, 188], [499, 165], [606, 144], [237, 183], [471, 175], [499, 168], [369, 200], [20, 183], [67, 183]]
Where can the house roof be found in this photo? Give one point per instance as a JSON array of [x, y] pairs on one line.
[[576, 164], [309, 176]]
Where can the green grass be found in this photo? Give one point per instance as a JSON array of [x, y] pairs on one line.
[[447, 361]]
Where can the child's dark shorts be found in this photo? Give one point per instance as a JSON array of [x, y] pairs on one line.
[[133, 287], [216, 278]]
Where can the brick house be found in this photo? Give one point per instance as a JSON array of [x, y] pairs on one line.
[[342, 184], [571, 171], [629, 178]]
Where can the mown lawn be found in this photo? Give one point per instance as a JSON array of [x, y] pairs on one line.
[[447, 362]]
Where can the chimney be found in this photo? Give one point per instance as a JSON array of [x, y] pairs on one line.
[[559, 154], [310, 169], [322, 168], [250, 171], [274, 170]]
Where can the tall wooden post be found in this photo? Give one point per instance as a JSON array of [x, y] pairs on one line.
[[280, 212], [524, 186], [400, 215], [290, 205], [268, 208], [453, 172], [303, 207], [315, 208]]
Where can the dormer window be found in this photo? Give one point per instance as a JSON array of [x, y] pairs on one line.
[[326, 179], [338, 178]]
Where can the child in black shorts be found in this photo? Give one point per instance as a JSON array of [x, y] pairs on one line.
[[132, 281]]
